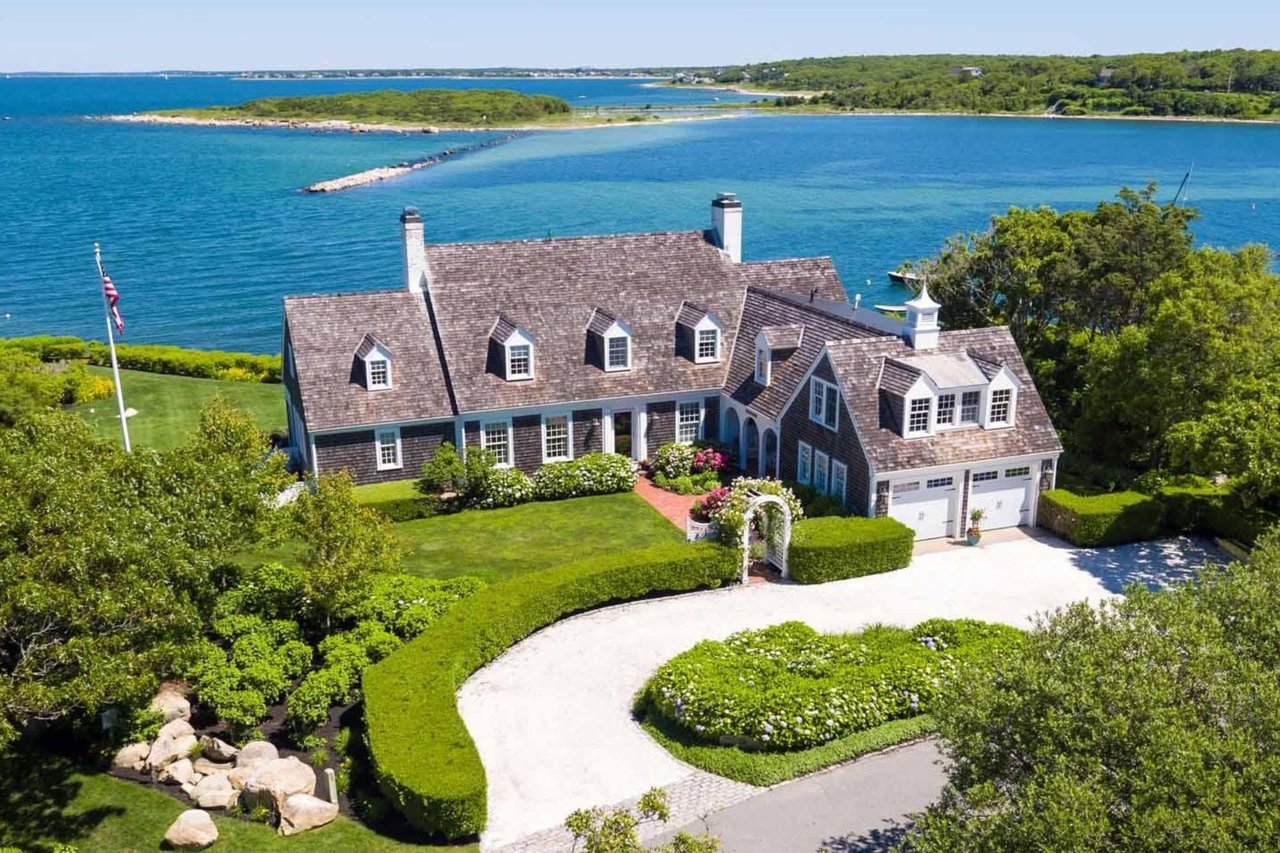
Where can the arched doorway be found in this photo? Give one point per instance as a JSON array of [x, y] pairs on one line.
[[769, 458], [750, 459], [732, 431], [775, 531]]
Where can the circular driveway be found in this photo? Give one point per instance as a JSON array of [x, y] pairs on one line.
[[551, 717]]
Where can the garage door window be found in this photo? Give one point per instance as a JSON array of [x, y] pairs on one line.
[[904, 488], [939, 483], [985, 476], [1017, 472]]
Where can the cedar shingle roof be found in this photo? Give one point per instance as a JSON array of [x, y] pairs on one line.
[[690, 314], [327, 331], [554, 286], [858, 363], [783, 337], [368, 344], [897, 378], [600, 322], [503, 329]]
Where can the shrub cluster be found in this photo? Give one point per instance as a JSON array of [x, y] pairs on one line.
[[592, 474], [815, 503], [1110, 519], [408, 509], [788, 687], [1213, 511], [730, 514], [688, 469], [156, 358], [833, 548], [425, 762]]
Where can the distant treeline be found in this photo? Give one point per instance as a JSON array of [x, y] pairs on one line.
[[1220, 83], [428, 106]]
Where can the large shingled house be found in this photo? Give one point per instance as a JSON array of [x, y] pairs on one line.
[[544, 350]]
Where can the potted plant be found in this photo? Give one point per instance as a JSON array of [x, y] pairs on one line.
[[974, 534]]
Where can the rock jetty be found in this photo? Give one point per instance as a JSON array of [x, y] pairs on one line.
[[382, 173]]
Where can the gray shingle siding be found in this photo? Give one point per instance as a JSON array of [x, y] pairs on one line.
[[842, 446], [661, 425], [588, 433], [526, 432], [711, 419], [355, 452]]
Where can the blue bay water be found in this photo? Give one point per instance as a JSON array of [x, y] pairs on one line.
[[204, 229]]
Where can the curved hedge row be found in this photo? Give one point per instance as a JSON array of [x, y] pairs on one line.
[[155, 358], [424, 760], [833, 548]]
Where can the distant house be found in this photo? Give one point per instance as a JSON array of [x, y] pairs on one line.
[[966, 71], [1105, 75], [544, 350]]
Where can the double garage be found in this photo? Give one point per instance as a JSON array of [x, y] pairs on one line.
[[932, 505]]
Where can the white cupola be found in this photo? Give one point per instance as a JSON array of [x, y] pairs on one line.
[[921, 326]]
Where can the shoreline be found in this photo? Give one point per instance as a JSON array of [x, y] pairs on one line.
[[383, 173]]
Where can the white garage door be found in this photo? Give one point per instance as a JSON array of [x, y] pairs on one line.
[[924, 506], [1004, 495]]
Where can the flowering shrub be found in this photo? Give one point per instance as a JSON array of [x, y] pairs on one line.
[[593, 474], [704, 509], [689, 484], [730, 514], [788, 687], [504, 487], [708, 459], [674, 460]]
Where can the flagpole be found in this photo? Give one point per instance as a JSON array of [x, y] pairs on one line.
[[111, 342]]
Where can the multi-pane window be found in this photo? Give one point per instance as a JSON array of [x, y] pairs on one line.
[[1024, 471], [939, 483], [804, 463], [918, 415], [688, 422], [946, 409], [903, 488], [839, 480], [985, 476], [1001, 401], [762, 366], [969, 406], [824, 403], [555, 437], [379, 373], [519, 361], [821, 474], [388, 449], [496, 437], [708, 345], [619, 356]]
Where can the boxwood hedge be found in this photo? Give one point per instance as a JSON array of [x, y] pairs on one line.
[[1111, 519], [833, 548], [424, 760], [155, 358]]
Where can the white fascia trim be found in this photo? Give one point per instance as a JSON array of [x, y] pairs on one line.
[[997, 461], [379, 425], [596, 403]]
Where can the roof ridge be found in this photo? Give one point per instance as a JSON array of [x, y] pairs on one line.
[[570, 238], [766, 261], [295, 297]]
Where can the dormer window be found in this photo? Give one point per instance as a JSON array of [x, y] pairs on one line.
[[918, 415], [969, 402], [1001, 406], [519, 361], [379, 373], [708, 345], [763, 365], [608, 341], [698, 334], [510, 351], [377, 363], [618, 353]]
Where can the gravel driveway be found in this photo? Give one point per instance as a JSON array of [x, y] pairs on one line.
[[551, 717]]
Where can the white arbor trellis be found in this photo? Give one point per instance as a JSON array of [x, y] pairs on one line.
[[777, 539]]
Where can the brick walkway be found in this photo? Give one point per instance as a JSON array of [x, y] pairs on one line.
[[675, 508]]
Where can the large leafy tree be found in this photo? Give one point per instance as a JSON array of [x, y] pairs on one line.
[[1150, 723], [107, 559]]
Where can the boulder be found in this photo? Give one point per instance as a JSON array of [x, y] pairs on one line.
[[187, 788], [177, 773], [170, 702], [205, 767], [175, 729], [255, 752], [131, 757], [273, 782], [214, 792], [217, 749], [192, 830], [239, 776], [165, 751], [300, 812]]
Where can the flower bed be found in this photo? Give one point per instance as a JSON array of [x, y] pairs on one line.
[[688, 469], [788, 687]]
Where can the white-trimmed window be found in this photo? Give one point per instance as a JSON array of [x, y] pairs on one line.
[[763, 365], [824, 403], [708, 348], [969, 402], [946, 410], [519, 361], [556, 438], [1024, 471], [821, 472], [940, 483], [495, 436], [688, 422], [986, 476], [804, 463], [1001, 406], [617, 352], [918, 415], [379, 373], [839, 480], [904, 488], [388, 449]]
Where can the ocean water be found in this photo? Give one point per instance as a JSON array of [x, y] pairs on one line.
[[205, 229]]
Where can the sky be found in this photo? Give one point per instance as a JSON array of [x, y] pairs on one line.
[[144, 35]]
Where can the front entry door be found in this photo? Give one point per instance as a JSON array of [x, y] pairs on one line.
[[623, 437]]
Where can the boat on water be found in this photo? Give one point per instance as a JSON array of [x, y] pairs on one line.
[[898, 277]]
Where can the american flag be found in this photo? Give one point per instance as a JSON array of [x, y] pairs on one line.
[[113, 301]]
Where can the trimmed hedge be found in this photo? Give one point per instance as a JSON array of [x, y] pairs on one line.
[[1213, 511], [1111, 519], [423, 758], [834, 548], [155, 358], [407, 509]]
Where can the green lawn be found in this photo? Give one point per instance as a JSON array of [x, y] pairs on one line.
[[46, 800], [494, 544], [168, 406]]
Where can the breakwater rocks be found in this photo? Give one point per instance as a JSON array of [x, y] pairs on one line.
[[382, 173]]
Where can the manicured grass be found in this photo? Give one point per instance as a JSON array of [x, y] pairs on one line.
[[770, 768], [394, 490], [494, 544], [169, 406], [46, 800]]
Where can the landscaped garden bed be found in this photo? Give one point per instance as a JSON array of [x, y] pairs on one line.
[[767, 705], [689, 469]]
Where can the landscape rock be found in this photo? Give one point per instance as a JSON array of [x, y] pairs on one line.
[[165, 751], [217, 749], [132, 756], [177, 773], [273, 782], [214, 792], [256, 752], [187, 788], [205, 767], [192, 830], [300, 812], [239, 776], [170, 702], [175, 729]]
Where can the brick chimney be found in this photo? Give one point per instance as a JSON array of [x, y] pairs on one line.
[[414, 250], [726, 224]]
